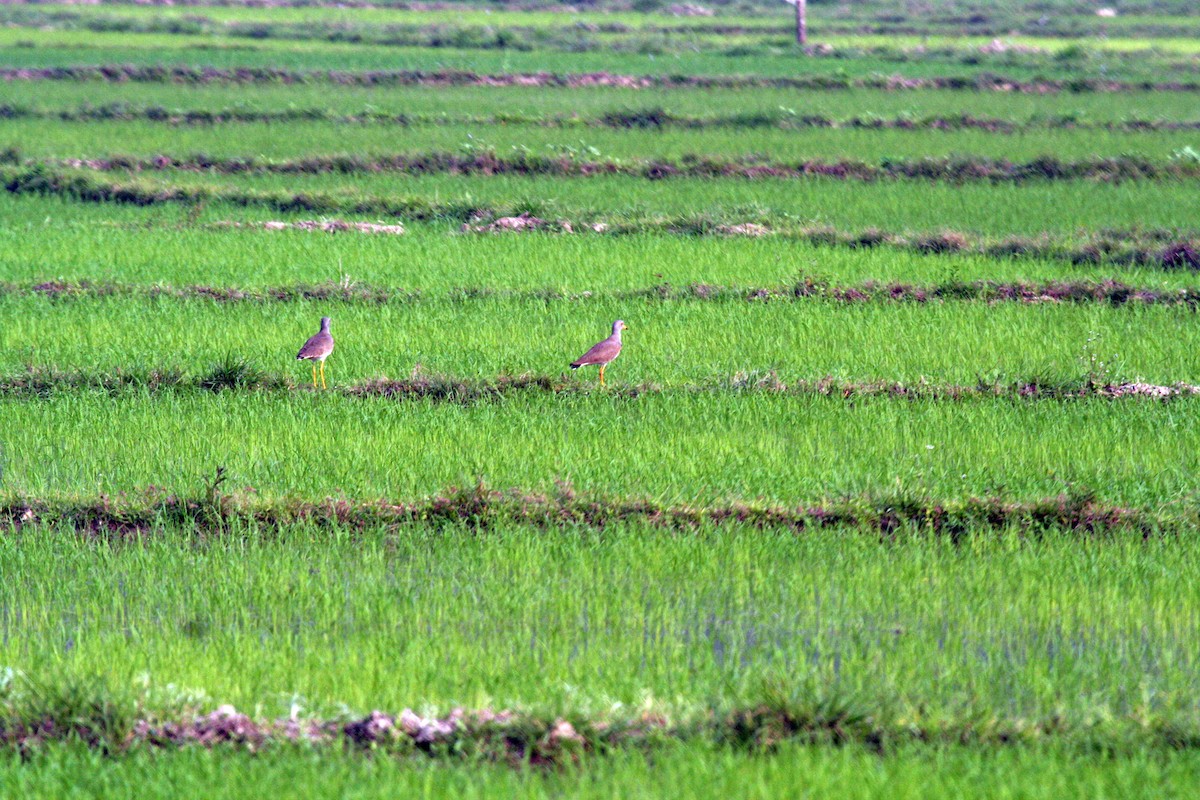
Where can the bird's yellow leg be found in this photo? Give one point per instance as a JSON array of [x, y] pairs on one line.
[[601, 375], [314, 366], [323, 386]]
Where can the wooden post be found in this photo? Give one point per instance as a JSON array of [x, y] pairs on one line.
[[801, 22]]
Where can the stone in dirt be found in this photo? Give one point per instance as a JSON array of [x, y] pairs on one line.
[[521, 223], [744, 229], [688, 10], [375, 727], [564, 731], [428, 731], [325, 226]]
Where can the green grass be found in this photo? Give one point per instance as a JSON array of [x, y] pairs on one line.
[[697, 771], [651, 35], [672, 343], [671, 446], [768, 19], [1134, 12], [372, 17], [149, 249], [1077, 641], [40, 139], [50, 239], [595, 101], [53, 239], [630, 620], [1060, 207], [33, 48]]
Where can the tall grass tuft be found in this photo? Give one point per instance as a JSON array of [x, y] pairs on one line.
[[235, 372]]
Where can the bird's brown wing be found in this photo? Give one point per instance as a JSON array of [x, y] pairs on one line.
[[319, 346], [601, 353]]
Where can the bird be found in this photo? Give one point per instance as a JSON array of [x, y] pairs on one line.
[[318, 348], [604, 352]]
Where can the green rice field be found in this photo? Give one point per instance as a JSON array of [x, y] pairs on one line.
[[316, 139], [892, 491]]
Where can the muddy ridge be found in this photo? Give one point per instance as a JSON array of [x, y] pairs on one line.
[[1107, 292], [242, 374], [1136, 247], [118, 73], [963, 169], [522, 739], [482, 508], [647, 118]]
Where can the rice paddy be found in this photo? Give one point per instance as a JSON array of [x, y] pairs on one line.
[[891, 492], [100, 139]]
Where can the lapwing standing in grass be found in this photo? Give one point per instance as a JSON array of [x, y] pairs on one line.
[[602, 353], [318, 348]]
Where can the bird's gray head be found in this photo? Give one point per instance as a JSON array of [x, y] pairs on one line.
[[324, 323], [618, 326]]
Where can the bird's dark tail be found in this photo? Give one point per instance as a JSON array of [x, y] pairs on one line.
[[576, 365]]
